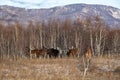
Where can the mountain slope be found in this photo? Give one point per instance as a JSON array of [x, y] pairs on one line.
[[110, 15]]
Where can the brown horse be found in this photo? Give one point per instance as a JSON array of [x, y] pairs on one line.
[[88, 56], [36, 52], [73, 52]]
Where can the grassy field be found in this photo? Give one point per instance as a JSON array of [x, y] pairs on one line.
[[101, 68]]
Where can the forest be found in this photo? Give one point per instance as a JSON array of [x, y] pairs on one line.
[[81, 33]]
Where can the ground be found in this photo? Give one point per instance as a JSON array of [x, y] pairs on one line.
[[100, 68]]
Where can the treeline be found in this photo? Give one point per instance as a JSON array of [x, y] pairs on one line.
[[90, 32]]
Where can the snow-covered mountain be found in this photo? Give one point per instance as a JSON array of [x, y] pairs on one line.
[[110, 15]]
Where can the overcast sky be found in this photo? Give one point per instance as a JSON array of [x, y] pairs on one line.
[[52, 3]]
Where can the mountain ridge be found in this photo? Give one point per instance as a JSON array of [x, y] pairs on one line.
[[10, 14]]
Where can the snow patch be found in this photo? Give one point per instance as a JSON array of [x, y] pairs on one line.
[[85, 10], [115, 14]]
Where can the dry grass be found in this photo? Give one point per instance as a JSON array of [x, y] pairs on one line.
[[101, 68]]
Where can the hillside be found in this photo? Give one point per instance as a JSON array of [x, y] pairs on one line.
[[110, 15]]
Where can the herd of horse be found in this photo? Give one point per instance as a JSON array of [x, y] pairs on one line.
[[42, 52], [55, 53]]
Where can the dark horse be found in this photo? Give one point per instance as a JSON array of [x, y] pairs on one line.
[[53, 53]]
